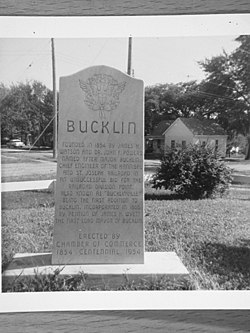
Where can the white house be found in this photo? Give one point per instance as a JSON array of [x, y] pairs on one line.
[[169, 134]]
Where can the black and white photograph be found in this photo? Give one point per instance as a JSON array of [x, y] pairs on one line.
[[128, 174], [125, 173]]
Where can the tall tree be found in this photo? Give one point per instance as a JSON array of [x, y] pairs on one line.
[[25, 109], [170, 101], [227, 84], [5, 126]]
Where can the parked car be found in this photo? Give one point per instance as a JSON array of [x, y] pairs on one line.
[[15, 143]]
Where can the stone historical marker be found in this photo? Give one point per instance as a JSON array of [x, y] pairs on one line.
[[99, 189]]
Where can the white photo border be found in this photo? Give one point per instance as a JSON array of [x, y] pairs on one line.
[[124, 26]]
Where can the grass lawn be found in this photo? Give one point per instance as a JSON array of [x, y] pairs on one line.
[[32, 177], [27, 166], [212, 237], [7, 160], [24, 156]]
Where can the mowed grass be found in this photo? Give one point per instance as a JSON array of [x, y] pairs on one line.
[[27, 223], [27, 166], [25, 156], [33, 177], [12, 160], [212, 237]]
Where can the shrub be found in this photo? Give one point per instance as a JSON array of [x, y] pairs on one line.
[[195, 172]]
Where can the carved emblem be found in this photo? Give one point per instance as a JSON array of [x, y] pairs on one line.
[[102, 93]]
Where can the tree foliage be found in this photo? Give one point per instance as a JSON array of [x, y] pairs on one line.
[[26, 109], [170, 101], [224, 95], [227, 84], [195, 172]]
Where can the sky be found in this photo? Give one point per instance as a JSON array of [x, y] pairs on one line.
[[154, 59]]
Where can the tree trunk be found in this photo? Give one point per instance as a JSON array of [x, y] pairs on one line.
[[248, 148]]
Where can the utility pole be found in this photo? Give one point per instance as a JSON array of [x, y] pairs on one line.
[[54, 100], [129, 71]]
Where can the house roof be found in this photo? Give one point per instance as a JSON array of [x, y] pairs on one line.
[[203, 127], [161, 127], [196, 126]]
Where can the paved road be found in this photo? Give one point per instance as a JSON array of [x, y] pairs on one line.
[[127, 321]]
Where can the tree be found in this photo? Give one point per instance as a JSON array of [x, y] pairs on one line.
[[26, 108], [5, 125], [3, 91], [13, 118], [170, 101], [227, 84]]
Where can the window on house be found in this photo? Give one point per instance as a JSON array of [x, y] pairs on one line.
[[183, 144], [203, 144], [159, 143], [172, 144]]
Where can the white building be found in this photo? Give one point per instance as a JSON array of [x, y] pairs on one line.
[[169, 134]]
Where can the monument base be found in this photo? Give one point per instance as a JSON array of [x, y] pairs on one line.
[[156, 265]]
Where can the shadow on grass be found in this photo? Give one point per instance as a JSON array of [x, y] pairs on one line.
[[231, 264], [149, 196], [161, 195]]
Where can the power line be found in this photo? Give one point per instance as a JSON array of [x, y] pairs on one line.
[[68, 61], [101, 49], [69, 57], [215, 95], [41, 134], [28, 53]]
